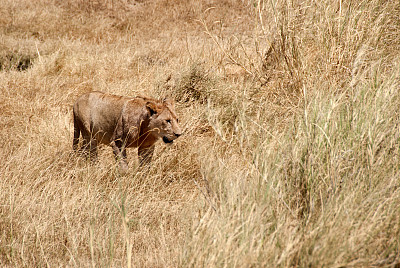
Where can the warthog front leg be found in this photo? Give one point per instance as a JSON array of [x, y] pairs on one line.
[[145, 154], [120, 154]]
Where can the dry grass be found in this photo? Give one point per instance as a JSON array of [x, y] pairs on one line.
[[291, 152]]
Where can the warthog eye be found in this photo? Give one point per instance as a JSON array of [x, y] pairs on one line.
[[177, 120], [168, 121]]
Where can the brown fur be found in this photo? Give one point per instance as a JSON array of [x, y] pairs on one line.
[[123, 122]]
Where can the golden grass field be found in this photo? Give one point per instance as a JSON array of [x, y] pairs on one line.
[[291, 148]]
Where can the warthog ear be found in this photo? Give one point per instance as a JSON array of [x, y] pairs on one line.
[[151, 107]]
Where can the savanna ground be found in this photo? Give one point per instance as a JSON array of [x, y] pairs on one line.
[[290, 153]]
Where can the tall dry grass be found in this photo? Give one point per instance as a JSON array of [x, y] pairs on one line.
[[290, 155]]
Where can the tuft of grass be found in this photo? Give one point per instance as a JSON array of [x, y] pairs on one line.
[[15, 61], [196, 84]]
